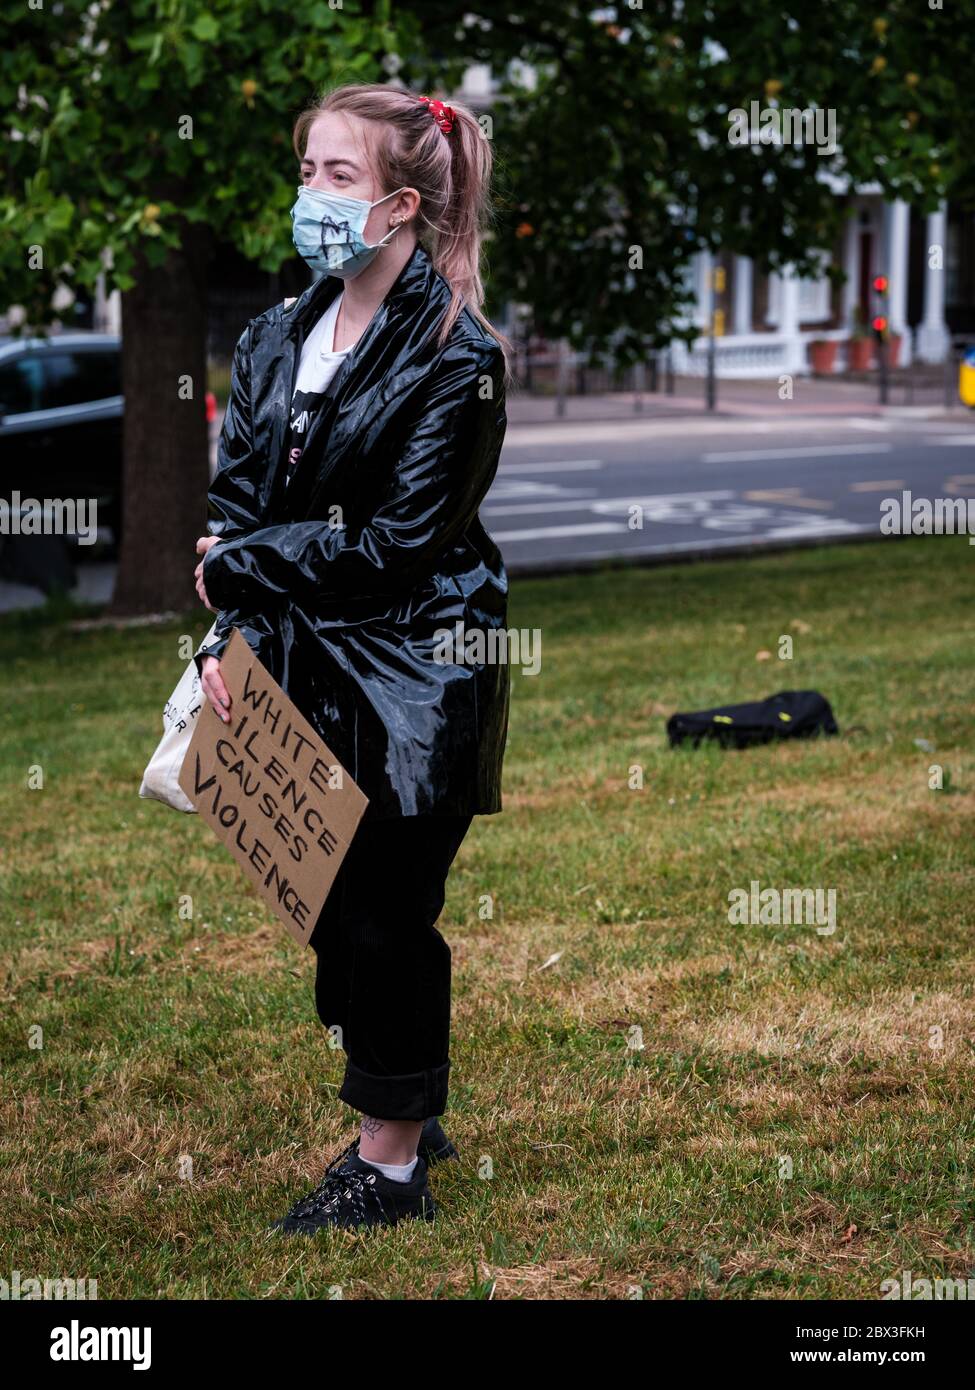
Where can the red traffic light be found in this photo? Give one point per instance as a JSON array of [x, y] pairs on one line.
[[879, 324], [880, 284]]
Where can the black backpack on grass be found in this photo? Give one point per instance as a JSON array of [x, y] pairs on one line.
[[790, 714]]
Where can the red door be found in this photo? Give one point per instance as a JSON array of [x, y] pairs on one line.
[[866, 274]]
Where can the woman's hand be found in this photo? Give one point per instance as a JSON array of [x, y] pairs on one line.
[[211, 679], [216, 691], [202, 546]]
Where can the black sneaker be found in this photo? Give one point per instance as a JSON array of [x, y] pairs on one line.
[[434, 1146], [353, 1195]]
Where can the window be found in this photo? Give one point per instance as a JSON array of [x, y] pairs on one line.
[[75, 378], [20, 385], [814, 301]]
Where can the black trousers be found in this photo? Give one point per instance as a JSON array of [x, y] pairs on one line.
[[383, 972]]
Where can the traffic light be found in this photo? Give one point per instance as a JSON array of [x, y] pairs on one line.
[[880, 322]]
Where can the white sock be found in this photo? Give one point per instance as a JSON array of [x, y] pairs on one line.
[[396, 1172]]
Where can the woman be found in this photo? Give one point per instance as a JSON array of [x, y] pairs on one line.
[[362, 432]]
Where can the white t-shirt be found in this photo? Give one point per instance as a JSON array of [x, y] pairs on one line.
[[316, 367]]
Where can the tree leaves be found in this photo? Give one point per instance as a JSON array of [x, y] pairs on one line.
[[205, 28], [611, 146], [161, 102]]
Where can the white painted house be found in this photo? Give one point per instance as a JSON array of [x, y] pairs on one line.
[[769, 321]]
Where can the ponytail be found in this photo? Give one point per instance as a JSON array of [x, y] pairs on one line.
[[458, 235]]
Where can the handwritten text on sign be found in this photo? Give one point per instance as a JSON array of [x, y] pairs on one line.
[[272, 791]]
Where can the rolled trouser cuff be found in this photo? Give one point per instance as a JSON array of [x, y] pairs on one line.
[[414, 1096]]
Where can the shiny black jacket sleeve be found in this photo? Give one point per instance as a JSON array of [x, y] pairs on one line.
[[234, 504], [439, 480]]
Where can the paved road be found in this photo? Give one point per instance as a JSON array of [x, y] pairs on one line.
[[564, 491], [564, 495]]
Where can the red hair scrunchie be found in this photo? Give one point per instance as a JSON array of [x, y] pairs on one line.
[[441, 113]]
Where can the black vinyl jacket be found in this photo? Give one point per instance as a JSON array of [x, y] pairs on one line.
[[344, 581]]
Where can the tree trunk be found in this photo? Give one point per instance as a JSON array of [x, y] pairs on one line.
[[165, 441]]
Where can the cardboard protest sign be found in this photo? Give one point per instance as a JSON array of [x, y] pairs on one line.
[[270, 789]]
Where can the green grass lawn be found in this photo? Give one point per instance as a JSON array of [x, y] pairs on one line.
[[798, 1122]]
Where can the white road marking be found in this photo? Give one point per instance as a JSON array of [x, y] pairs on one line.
[[551, 466], [867, 422], [503, 488], [791, 419], [829, 527], [688, 509], [956, 440], [812, 451], [601, 505], [592, 528]]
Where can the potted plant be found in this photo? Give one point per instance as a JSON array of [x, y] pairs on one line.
[[822, 355], [859, 348]]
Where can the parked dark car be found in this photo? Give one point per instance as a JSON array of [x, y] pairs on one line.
[[61, 420], [61, 437]]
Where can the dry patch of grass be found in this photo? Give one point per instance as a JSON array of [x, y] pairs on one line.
[[933, 1031]]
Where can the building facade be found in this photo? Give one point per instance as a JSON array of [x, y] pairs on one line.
[[765, 324]]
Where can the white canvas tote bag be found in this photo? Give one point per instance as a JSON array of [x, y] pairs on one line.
[[160, 779]]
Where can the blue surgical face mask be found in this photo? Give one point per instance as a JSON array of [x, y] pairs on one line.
[[328, 231]]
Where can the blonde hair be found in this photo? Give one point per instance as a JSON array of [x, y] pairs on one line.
[[451, 172]]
